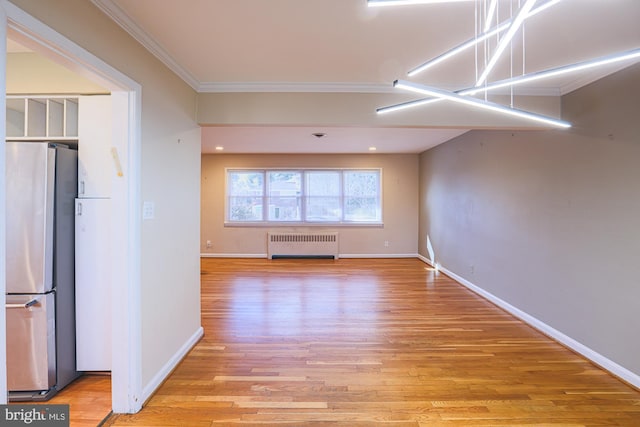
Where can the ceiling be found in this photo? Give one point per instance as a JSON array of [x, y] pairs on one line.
[[321, 45], [342, 140]]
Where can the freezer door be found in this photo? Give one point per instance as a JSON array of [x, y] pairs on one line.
[[64, 265], [30, 342], [29, 221]]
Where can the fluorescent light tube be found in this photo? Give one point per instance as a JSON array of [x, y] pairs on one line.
[[490, 12], [456, 50], [474, 102], [405, 105], [539, 75], [506, 39], [542, 7], [474, 41], [381, 3]]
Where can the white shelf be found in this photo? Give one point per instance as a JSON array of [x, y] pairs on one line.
[[42, 117]]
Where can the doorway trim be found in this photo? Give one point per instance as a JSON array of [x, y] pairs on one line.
[[126, 374]]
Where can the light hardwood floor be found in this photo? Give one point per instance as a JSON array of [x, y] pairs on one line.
[[89, 400], [370, 342]]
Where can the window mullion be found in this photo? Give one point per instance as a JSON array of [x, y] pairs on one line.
[[303, 195], [265, 198], [341, 196]]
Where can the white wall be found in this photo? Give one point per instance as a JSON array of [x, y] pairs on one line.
[[549, 221]]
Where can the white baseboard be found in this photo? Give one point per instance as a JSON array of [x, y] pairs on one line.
[[425, 260], [164, 372], [209, 255], [378, 255], [595, 357]]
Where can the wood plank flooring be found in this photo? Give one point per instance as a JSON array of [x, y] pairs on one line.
[[89, 400], [371, 342]]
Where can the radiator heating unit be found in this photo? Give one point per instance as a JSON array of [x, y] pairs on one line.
[[302, 245]]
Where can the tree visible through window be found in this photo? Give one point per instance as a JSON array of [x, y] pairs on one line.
[[245, 195], [337, 196], [361, 196]]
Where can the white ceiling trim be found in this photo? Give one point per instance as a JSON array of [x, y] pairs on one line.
[[271, 87], [236, 87], [213, 87], [114, 12], [119, 16]]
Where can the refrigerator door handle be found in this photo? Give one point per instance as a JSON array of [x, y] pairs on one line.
[[27, 304], [79, 209]]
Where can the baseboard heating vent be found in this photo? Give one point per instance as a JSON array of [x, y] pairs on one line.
[[302, 245]]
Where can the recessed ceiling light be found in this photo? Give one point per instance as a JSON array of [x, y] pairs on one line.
[[219, 148], [319, 134], [372, 148]]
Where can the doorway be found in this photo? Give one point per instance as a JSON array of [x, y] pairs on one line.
[[125, 222]]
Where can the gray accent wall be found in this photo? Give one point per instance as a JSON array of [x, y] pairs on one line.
[[549, 221]]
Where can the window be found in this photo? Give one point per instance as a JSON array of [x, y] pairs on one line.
[[361, 196], [323, 196], [245, 195], [284, 195], [331, 196]]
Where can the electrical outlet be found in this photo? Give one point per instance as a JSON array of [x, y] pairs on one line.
[[148, 210], [472, 268], [208, 244], [386, 243]]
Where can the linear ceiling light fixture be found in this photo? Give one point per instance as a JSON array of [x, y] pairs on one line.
[[510, 27], [474, 102], [506, 39], [405, 105], [490, 12], [456, 50], [525, 78], [542, 7], [475, 40], [382, 3], [552, 72]]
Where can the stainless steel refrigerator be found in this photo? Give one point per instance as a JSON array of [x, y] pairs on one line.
[[41, 188]]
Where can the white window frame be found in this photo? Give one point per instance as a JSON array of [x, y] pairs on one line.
[[265, 222]]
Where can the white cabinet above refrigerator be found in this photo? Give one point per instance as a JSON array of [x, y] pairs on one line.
[[94, 146]]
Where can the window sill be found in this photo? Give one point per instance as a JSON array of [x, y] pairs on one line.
[[303, 224]]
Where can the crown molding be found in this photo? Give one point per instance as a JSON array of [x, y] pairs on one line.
[[225, 87], [113, 11], [239, 87], [119, 16]]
